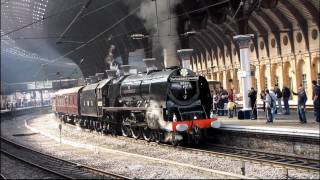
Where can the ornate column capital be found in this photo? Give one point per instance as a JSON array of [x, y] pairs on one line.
[[243, 40]]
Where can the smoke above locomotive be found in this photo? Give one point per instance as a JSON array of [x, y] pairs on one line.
[[159, 20]]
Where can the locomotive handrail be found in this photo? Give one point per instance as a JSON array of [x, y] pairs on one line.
[[128, 108], [204, 111], [125, 108]]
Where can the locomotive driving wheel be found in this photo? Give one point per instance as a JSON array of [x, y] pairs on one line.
[[175, 141], [125, 130], [157, 136], [147, 133], [135, 131]]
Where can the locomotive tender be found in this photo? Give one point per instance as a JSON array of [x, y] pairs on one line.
[[167, 105]]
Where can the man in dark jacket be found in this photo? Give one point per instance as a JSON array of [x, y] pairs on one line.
[[302, 99], [253, 99], [278, 93], [316, 100], [286, 96], [222, 100]]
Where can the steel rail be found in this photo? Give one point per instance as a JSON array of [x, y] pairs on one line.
[[2, 176], [35, 165], [287, 161], [84, 170]]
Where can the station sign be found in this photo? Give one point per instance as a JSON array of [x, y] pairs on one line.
[[244, 74]]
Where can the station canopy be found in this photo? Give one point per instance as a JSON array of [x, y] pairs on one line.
[[58, 34]]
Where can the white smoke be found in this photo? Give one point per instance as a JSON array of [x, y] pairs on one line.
[[109, 60], [165, 31]]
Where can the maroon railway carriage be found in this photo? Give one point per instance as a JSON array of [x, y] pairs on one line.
[[66, 102]]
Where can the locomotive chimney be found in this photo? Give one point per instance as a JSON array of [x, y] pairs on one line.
[[126, 69], [169, 58], [111, 73], [185, 56], [99, 76], [150, 64]]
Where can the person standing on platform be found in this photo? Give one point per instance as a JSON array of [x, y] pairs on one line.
[[279, 96], [223, 99], [231, 103], [253, 99], [316, 100], [286, 96], [270, 106], [274, 109], [215, 102], [263, 98], [302, 99]]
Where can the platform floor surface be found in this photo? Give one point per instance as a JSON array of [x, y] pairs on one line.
[[286, 124]]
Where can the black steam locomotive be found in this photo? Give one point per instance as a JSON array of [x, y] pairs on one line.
[[167, 105]]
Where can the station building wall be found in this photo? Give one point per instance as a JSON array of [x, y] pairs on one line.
[[289, 60]]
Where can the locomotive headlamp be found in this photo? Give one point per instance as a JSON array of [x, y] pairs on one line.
[[181, 127], [216, 124]]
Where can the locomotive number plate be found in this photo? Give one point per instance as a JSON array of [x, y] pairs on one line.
[[187, 78]]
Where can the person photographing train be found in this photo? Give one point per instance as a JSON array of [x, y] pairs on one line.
[[302, 99], [253, 100]]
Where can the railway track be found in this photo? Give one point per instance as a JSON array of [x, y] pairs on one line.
[[279, 160], [62, 168]]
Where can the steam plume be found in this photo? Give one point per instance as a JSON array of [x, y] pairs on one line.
[[167, 24], [109, 60]]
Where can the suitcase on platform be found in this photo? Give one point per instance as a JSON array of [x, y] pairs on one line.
[[244, 114]]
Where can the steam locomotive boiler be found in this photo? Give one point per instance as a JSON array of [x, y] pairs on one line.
[[170, 105]]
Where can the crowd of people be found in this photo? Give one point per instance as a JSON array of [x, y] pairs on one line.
[[224, 102]]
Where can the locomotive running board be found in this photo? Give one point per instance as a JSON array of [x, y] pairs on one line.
[[115, 109]]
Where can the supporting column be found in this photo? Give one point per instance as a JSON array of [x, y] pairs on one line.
[[41, 95], [267, 74], [245, 74], [258, 75], [235, 80]]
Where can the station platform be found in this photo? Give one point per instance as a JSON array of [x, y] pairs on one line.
[[6, 113], [16, 109], [283, 124]]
